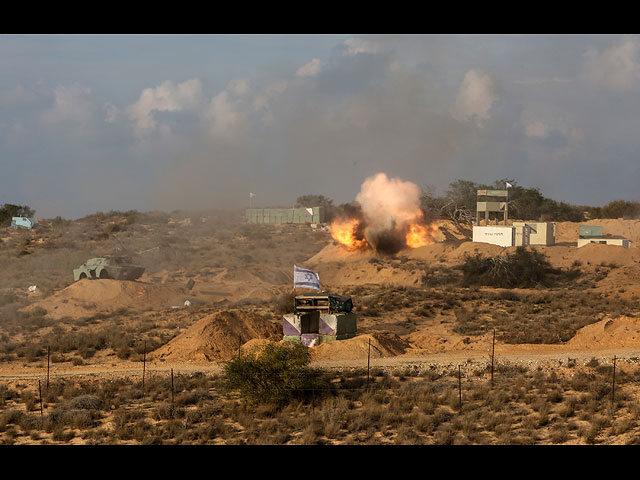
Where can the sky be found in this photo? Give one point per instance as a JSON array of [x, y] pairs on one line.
[[166, 122]]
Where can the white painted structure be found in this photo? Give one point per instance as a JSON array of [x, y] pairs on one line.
[[621, 242], [502, 235], [540, 233], [523, 235]]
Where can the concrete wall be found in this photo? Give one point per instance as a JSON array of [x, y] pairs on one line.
[[285, 215], [505, 236], [523, 235], [540, 233], [622, 242], [314, 328]]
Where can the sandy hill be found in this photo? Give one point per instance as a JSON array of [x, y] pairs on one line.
[[85, 298], [218, 336], [357, 348], [568, 231]]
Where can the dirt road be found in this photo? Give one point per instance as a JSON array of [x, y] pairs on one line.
[[419, 363]]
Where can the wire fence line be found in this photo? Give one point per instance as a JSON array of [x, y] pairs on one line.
[[430, 375]]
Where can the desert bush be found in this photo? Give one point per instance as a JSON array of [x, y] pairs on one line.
[[277, 374], [85, 402], [524, 268]]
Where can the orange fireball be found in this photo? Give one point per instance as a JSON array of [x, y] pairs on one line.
[[343, 231], [420, 235]]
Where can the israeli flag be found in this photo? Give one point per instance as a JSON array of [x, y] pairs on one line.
[[305, 278]]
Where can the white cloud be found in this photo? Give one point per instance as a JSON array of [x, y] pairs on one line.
[[239, 86], [616, 67], [310, 69], [475, 97], [70, 104], [112, 112], [262, 102], [227, 120], [361, 45], [557, 127], [533, 126], [166, 97], [543, 80]]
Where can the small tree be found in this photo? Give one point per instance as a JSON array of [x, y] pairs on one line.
[[275, 375], [9, 210], [317, 201]]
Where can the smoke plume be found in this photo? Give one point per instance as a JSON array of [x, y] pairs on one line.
[[389, 217]]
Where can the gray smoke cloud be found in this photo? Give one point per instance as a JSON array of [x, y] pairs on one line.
[[430, 109]]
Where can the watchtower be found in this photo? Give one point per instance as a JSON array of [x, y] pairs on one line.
[[492, 201]]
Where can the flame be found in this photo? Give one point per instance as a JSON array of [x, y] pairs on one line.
[[343, 231], [419, 235], [387, 219]]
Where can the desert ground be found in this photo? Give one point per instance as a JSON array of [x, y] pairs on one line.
[[413, 314]]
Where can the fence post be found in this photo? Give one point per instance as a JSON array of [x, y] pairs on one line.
[[144, 364], [172, 394], [613, 386], [459, 389], [48, 357], [493, 352], [40, 395], [368, 363]]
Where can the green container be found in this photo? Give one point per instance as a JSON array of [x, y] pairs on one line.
[[292, 338], [590, 231]]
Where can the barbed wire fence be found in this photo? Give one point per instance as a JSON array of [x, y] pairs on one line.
[[486, 371]]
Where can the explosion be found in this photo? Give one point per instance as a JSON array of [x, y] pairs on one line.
[[388, 219], [420, 235], [345, 232]]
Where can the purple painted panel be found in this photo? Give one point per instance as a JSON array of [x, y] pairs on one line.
[[288, 328], [325, 329]]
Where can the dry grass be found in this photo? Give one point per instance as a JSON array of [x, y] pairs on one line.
[[525, 407]]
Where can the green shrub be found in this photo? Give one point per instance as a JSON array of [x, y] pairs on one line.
[[524, 268], [277, 374]]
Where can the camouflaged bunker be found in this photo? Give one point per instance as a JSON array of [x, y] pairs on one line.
[[118, 268], [319, 318]]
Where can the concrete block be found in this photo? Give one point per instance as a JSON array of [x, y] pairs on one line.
[[310, 339], [299, 323], [337, 323]]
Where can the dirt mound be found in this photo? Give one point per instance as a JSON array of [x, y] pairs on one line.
[[218, 336], [362, 273], [357, 348], [334, 252], [608, 333], [454, 253], [595, 254], [568, 231], [88, 297]]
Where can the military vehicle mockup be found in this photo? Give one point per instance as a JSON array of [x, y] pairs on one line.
[[23, 222], [117, 268]]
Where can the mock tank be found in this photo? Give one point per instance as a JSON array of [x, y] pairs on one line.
[[118, 268]]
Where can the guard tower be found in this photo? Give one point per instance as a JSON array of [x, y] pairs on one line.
[[492, 201]]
